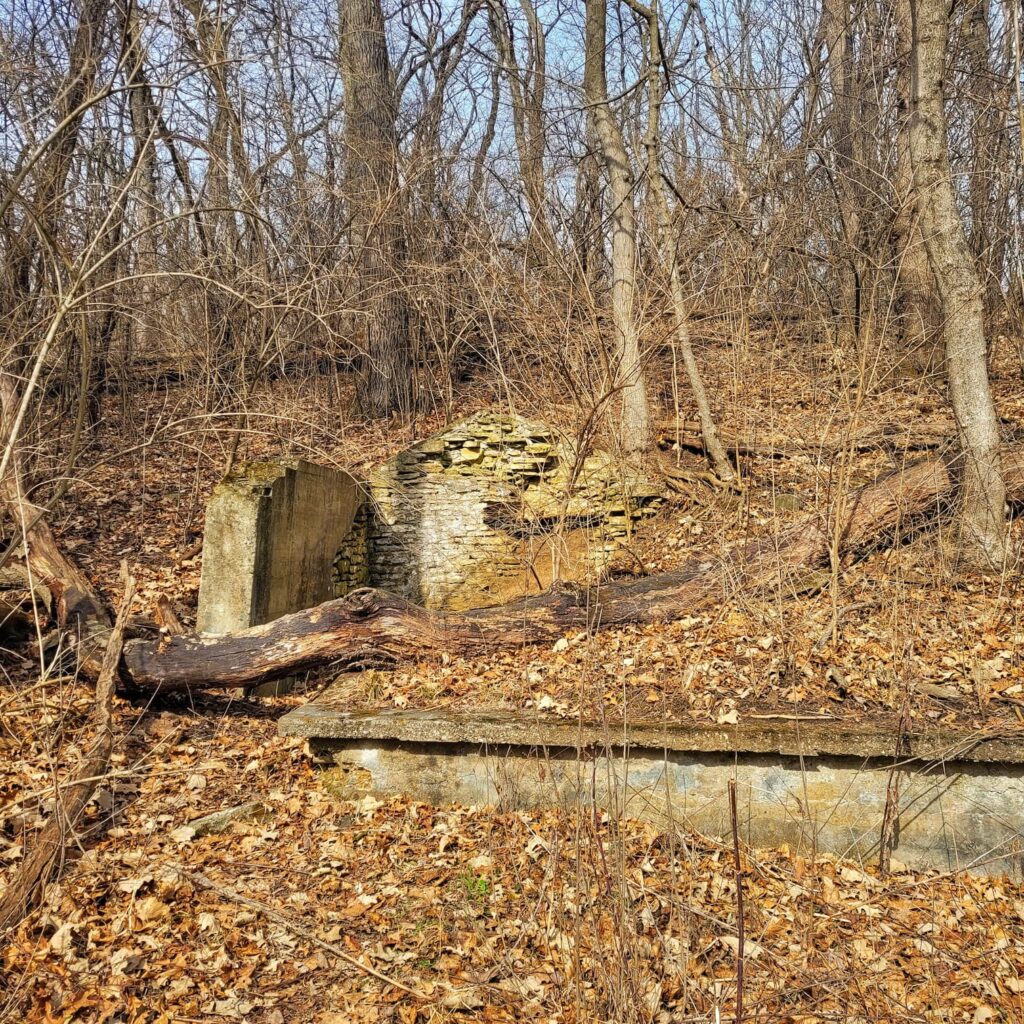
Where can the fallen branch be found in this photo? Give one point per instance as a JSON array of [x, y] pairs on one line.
[[372, 627], [45, 860], [202, 882], [80, 612]]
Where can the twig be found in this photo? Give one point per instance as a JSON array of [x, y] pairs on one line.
[[891, 816], [202, 882], [856, 606], [779, 717], [740, 955]]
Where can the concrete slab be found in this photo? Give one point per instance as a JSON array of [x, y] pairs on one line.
[[816, 785], [325, 719]]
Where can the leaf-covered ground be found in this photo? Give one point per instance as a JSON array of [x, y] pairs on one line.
[[486, 915], [490, 915], [895, 629]]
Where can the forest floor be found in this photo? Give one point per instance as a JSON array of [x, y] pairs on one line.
[[490, 915]]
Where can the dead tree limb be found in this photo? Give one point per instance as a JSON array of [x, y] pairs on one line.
[[80, 611], [45, 860], [688, 434], [370, 626]]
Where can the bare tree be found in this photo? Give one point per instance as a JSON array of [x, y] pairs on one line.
[[983, 536], [635, 425], [373, 188], [652, 141], [920, 326], [528, 88]]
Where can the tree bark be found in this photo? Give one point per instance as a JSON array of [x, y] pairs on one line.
[[370, 626], [841, 65], [373, 188], [982, 534], [635, 420], [709, 432], [79, 609], [527, 87], [142, 112], [920, 323], [51, 170], [989, 139]]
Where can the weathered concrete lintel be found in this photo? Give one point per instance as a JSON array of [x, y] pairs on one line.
[[320, 721]]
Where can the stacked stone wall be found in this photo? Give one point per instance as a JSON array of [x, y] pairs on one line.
[[494, 508]]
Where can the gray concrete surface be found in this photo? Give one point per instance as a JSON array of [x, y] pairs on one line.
[[817, 786], [272, 531]]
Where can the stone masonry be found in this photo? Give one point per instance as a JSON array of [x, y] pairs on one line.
[[492, 509]]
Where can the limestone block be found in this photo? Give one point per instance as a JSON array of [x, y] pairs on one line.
[[431, 533], [272, 532]]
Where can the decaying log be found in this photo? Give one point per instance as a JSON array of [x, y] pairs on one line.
[[892, 437], [79, 609], [370, 626]]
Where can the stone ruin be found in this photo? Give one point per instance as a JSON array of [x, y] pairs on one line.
[[492, 509], [272, 532]]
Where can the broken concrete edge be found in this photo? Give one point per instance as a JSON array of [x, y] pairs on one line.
[[323, 726]]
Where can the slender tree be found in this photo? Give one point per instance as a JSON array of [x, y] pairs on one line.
[[920, 326], [527, 87], [635, 423], [982, 534], [680, 316]]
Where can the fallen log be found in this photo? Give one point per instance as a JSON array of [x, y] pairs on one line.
[[890, 437], [370, 626], [80, 612]]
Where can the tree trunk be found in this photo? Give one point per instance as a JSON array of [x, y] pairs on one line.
[[49, 174], [982, 521], [920, 323], [709, 433], [840, 42], [988, 147], [527, 88], [144, 132], [369, 626], [635, 423], [374, 188]]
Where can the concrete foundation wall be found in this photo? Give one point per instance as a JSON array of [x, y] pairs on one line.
[[272, 530], [956, 816]]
